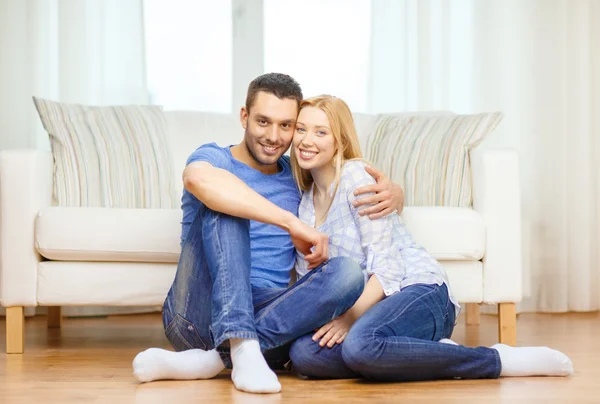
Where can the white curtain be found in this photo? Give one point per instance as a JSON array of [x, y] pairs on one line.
[[538, 61], [77, 51]]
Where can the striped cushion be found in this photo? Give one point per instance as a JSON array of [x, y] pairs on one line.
[[113, 157], [429, 155]]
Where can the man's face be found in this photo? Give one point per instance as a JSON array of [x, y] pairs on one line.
[[269, 127]]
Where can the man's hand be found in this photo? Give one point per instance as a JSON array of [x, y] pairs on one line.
[[388, 197], [310, 242], [335, 331]]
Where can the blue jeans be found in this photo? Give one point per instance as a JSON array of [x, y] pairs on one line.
[[211, 299], [396, 340]]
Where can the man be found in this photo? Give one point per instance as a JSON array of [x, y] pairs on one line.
[[230, 299]]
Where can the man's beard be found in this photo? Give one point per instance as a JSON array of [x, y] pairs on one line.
[[253, 154]]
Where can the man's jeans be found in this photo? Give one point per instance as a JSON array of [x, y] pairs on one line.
[[396, 341], [211, 299]]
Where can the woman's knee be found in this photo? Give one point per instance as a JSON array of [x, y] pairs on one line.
[[357, 352], [363, 354], [302, 354]]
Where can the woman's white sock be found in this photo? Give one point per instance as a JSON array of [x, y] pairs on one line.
[[533, 361]]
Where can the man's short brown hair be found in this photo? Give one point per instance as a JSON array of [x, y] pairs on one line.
[[279, 84]]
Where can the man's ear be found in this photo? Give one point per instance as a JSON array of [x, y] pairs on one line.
[[244, 117]]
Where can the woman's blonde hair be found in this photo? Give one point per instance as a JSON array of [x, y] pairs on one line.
[[344, 134]]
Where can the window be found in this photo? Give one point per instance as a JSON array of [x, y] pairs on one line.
[[188, 54], [323, 44]]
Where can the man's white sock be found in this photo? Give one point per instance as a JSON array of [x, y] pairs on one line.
[[156, 364], [250, 370]]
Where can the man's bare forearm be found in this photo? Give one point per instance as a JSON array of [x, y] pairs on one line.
[[223, 192]]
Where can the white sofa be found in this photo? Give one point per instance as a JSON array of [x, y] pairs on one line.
[[53, 256]]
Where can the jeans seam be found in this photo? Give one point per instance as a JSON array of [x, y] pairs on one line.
[[290, 292], [235, 334], [401, 312], [222, 275], [185, 341], [266, 302], [170, 325]]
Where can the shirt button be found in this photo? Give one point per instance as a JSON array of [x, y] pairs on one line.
[[190, 328]]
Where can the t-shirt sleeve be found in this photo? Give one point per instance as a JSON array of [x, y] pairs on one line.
[[213, 154]]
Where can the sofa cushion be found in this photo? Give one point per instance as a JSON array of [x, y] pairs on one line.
[[466, 280], [152, 235], [453, 234], [100, 234], [113, 157], [428, 156]]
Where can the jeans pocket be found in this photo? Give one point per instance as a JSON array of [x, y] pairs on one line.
[[183, 335]]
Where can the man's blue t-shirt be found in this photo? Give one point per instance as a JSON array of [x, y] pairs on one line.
[[272, 251]]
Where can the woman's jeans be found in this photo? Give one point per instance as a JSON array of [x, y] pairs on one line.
[[396, 340], [211, 299]]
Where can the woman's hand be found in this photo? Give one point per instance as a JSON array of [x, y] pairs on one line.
[[388, 197], [335, 331]]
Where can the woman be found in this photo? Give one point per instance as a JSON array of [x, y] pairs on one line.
[[398, 329]]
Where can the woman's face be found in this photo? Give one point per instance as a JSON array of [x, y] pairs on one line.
[[314, 144]]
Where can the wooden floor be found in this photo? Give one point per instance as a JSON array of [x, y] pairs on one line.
[[89, 361]]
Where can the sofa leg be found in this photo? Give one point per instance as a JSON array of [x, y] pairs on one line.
[[507, 323], [15, 330], [473, 314], [54, 317]]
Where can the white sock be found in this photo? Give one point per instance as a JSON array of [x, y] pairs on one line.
[[157, 364], [250, 370], [533, 361], [448, 341]]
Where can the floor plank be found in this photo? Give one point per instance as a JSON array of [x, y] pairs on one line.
[[89, 360]]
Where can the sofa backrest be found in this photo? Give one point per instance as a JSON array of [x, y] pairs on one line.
[[188, 130]]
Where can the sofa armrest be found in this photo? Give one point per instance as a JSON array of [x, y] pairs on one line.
[[25, 188], [497, 197]]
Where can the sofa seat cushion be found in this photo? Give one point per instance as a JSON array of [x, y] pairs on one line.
[[104, 283], [118, 284], [102, 234], [448, 233], [152, 235]]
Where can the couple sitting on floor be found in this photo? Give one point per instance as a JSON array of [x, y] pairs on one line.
[[369, 302]]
